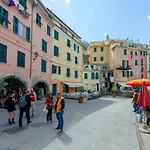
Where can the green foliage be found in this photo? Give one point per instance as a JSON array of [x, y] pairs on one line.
[[2, 84]]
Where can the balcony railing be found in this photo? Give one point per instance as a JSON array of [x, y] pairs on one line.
[[123, 68]]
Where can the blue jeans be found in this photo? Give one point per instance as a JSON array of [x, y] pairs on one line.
[[60, 119], [140, 115], [135, 106]]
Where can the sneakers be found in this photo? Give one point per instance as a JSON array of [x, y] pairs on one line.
[[56, 128], [59, 131], [29, 122]]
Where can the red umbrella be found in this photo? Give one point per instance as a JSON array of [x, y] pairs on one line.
[[144, 98]]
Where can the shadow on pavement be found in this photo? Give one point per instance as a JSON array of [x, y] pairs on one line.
[[65, 138]]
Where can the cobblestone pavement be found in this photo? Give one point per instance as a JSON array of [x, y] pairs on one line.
[[102, 124]]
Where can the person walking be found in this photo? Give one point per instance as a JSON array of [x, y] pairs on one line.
[[59, 110], [32, 98], [10, 106], [24, 106], [134, 101], [49, 106]]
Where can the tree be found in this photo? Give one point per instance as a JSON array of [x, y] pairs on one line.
[[2, 83]]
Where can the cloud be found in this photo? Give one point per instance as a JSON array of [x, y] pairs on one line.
[[68, 1], [105, 34], [52, 0], [148, 18]]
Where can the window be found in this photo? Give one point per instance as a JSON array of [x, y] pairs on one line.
[[136, 53], [78, 49], [75, 47], [85, 76], [23, 3], [38, 20], [142, 69], [76, 60], [68, 56], [123, 74], [68, 43], [127, 73], [56, 35], [141, 53], [43, 65], [68, 72], [142, 76], [102, 58], [92, 75], [56, 69], [4, 17], [136, 62], [131, 73], [102, 49], [104, 74], [142, 62], [18, 27], [149, 59], [76, 74], [125, 52], [97, 75], [3, 53], [56, 51], [20, 59], [44, 46], [28, 34], [48, 30], [94, 58], [131, 53], [95, 49], [144, 53]]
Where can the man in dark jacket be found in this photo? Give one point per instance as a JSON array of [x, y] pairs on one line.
[[59, 109], [25, 109]]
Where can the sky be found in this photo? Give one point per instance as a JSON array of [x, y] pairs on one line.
[[92, 20]]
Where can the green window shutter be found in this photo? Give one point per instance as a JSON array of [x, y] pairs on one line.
[[3, 53], [56, 35], [131, 53], [104, 74], [20, 59], [43, 65], [76, 60], [68, 43], [76, 74], [74, 47], [131, 73], [85, 76], [38, 20], [97, 75], [68, 56], [94, 58], [92, 75], [44, 46], [95, 49], [56, 51], [59, 70], [53, 67], [136, 62], [142, 69], [48, 30], [23, 3], [68, 72], [28, 34], [136, 53], [78, 49], [125, 52], [4, 17], [15, 25], [102, 58]]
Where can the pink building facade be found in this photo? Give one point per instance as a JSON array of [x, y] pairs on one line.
[[137, 62], [26, 43]]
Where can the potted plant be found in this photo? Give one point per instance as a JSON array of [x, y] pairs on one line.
[[80, 100], [114, 90]]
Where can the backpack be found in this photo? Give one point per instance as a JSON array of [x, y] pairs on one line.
[[22, 101]]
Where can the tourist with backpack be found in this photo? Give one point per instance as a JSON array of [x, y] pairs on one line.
[[24, 106]]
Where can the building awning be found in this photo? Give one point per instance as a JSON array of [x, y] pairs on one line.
[[73, 84], [123, 84]]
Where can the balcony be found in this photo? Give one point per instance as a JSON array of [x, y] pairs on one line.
[[123, 67]]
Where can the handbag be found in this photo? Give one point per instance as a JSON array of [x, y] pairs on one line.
[[45, 110]]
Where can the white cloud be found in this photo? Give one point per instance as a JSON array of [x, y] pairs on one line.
[[52, 0], [105, 34], [68, 1], [148, 18]]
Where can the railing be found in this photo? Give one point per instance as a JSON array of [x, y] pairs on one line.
[[123, 67]]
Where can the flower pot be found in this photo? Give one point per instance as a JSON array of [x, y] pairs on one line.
[[114, 95], [80, 100]]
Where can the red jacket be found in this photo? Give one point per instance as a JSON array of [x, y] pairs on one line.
[[32, 97], [49, 102]]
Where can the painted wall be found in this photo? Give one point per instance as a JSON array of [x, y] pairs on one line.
[[148, 64]]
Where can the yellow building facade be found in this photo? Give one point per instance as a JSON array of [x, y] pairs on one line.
[[67, 58]]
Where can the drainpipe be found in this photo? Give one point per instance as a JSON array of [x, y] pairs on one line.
[[31, 46]]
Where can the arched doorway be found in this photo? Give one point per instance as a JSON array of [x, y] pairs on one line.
[[14, 82], [41, 88]]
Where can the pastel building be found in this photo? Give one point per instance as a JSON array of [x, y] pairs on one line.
[[148, 61], [26, 32], [67, 58]]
